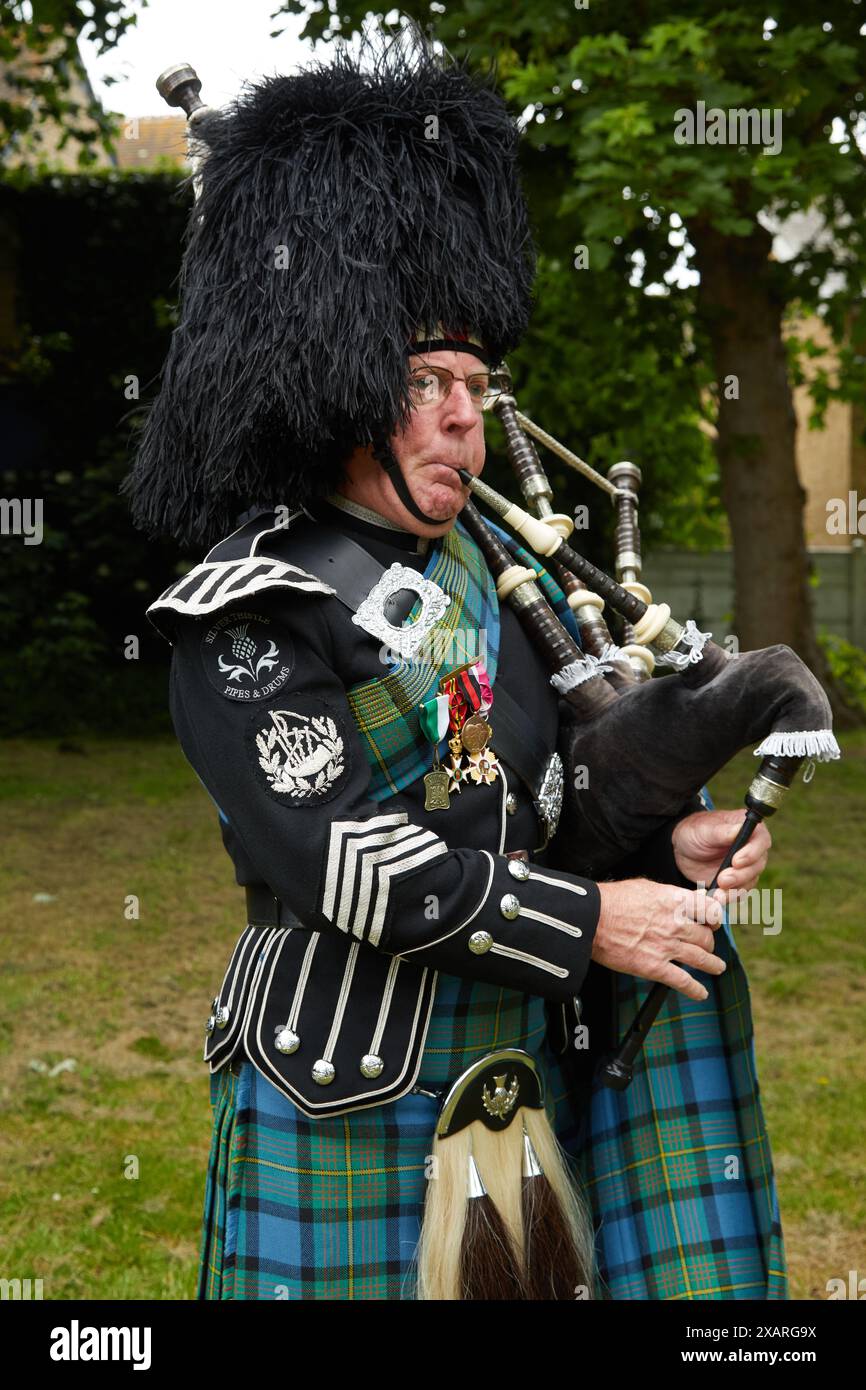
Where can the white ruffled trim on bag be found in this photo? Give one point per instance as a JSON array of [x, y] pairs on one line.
[[813, 743], [576, 672], [611, 652], [692, 638]]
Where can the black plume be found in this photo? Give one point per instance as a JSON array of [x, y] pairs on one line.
[[340, 209]]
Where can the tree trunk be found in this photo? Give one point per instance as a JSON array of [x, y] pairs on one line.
[[757, 429]]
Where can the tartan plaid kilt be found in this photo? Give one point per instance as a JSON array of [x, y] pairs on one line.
[[677, 1168], [331, 1208]]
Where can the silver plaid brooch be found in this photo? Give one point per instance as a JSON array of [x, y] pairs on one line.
[[403, 640]]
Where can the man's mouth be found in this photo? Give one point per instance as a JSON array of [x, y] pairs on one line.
[[447, 473]]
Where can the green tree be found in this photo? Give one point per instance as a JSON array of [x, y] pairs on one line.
[[42, 77], [607, 88]]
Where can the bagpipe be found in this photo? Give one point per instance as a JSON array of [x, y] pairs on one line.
[[635, 750]]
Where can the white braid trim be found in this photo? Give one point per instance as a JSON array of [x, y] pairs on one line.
[[814, 743], [692, 638], [576, 672]]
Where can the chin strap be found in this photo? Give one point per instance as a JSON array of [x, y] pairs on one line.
[[384, 455]]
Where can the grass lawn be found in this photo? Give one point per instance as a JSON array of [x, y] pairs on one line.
[[102, 1164]]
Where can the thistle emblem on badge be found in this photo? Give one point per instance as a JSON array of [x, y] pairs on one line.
[[247, 660], [301, 756], [243, 650], [502, 1099]]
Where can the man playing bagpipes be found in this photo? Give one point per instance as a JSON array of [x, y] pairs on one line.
[[393, 1035]]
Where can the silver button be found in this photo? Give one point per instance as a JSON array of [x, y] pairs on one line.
[[215, 1003], [287, 1041], [511, 803], [518, 868], [222, 1016], [323, 1072], [480, 941], [371, 1066], [509, 906], [210, 1025]]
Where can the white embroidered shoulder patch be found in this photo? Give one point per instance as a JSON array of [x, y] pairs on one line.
[[301, 755]]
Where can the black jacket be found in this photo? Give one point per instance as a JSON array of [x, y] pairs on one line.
[[330, 995]]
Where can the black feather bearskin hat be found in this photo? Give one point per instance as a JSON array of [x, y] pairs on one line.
[[341, 210]]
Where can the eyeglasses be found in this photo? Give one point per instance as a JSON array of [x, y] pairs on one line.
[[430, 386]]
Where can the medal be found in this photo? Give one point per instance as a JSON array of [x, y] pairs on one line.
[[437, 791], [475, 733], [434, 716], [469, 698]]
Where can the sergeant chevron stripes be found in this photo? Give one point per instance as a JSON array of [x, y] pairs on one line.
[[363, 857], [215, 582]]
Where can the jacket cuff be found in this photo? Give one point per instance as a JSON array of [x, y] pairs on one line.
[[532, 929]]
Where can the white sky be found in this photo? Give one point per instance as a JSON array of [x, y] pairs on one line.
[[226, 41]]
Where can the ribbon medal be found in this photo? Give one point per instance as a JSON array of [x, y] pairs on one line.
[[469, 698], [435, 717]]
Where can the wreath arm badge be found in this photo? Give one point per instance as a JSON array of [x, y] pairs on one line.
[[302, 758]]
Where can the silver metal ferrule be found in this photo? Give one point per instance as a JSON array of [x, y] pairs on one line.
[[628, 560], [474, 1186], [669, 637], [524, 594], [770, 793], [531, 1166], [536, 487]]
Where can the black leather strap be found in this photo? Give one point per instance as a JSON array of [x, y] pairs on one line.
[[338, 560], [388, 461]]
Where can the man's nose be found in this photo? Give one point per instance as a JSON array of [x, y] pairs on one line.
[[459, 411]]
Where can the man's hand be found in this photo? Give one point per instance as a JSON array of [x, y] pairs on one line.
[[701, 840], [643, 927]]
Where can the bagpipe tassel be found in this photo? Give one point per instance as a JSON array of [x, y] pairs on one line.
[[800, 743]]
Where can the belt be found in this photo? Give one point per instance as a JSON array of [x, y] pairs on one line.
[[266, 910]]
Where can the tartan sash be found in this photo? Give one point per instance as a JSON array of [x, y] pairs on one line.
[[385, 709]]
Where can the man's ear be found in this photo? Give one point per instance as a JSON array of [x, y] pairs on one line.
[[358, 461]]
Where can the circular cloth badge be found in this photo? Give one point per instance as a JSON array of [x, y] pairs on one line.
[[247, 656], [300, 751]]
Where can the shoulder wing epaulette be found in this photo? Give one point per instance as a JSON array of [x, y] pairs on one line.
[[215, 583]]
